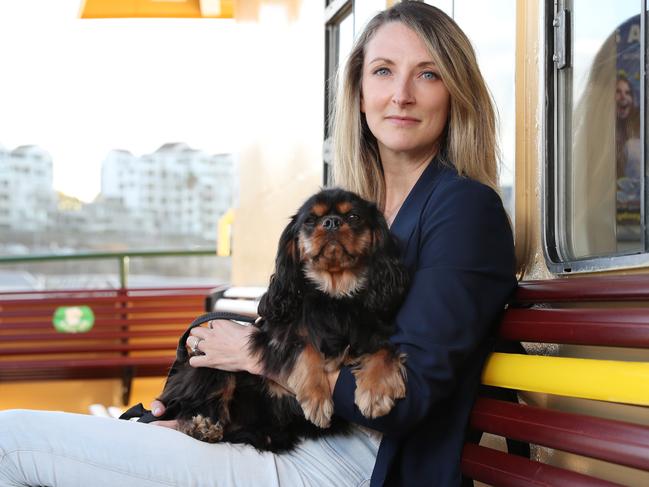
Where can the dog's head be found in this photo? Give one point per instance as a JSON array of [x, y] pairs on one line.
[[340, 244]]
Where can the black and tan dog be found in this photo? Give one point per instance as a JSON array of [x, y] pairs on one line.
[[331, 301]]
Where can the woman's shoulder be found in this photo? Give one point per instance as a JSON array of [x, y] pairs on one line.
[[464, 222], [462, 194]]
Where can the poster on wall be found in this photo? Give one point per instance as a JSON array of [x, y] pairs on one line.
[[628, 154]]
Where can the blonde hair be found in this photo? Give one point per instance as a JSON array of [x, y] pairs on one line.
[[591, 176], [469, 140]]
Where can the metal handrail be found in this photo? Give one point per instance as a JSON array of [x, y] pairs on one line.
[[122, 258]]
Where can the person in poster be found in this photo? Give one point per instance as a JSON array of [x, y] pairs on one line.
[[628, 154]]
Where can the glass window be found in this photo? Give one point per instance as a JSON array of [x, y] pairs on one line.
[[345, 39], [90, 150], [495, 50], [446, 5], [339, 33], [496, 53], [364, 10], [597, 158]]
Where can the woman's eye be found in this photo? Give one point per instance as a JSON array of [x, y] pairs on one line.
[[430, 75], [382, 71]]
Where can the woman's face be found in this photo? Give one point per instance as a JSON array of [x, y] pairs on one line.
[[623, 98], [405, 102]]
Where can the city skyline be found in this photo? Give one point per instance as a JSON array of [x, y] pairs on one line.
[[174, 191], [97, 180]]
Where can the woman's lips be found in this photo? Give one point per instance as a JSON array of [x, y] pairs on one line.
[[402, 121]]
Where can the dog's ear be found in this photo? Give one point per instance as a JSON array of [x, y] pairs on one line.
[[282, 300], [387, 276]]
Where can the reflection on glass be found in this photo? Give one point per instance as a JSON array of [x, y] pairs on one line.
[[603, 169], [345, 39], [627, 134]]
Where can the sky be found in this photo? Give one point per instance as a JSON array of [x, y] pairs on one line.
[[80, 88], [495, 50]]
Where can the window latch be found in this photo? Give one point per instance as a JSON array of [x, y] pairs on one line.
[[561, 24]]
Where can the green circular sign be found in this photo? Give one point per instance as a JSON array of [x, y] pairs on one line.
[[73, 319]]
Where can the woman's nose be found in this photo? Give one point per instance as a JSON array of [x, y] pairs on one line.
[[403, 93]]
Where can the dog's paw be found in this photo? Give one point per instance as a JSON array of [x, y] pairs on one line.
[[308, 380], [318, 410], [380, 381], [202, 428]]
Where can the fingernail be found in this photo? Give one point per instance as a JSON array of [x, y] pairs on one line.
[[157, 411]]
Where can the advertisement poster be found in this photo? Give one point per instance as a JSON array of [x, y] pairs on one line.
[[628, 155]]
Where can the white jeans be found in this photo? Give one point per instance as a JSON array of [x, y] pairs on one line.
[[55, 449]]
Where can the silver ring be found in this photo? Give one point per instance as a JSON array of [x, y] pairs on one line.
[[194, 347]]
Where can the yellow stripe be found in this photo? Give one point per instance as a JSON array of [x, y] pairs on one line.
[[97, 9], [224, 234], [604, 380]]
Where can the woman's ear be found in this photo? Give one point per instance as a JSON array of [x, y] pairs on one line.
[[284, 294]]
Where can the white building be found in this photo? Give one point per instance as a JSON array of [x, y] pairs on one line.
[[27, 198], [179, 190]]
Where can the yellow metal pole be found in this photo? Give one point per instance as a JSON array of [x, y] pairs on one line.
[[224, 237], [604, 380]]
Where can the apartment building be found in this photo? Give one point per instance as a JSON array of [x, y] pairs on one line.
[[27, 198], [176, 189]]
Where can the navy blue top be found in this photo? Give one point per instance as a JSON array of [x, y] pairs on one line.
[[457, 244]]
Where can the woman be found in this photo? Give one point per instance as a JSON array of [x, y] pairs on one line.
[[414, 131]]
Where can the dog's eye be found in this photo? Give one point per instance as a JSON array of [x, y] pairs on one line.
[[353, 218], [310, 221]]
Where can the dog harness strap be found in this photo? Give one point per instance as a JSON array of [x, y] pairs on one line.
[[146, 416]]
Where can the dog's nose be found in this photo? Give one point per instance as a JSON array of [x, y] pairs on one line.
[[331, 222]]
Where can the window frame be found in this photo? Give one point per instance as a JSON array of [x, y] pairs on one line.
[[558, 104], [335, 12]]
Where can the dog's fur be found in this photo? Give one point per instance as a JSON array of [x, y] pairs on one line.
[[331, 301]]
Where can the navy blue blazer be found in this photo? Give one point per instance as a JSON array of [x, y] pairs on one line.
[[457, 244]]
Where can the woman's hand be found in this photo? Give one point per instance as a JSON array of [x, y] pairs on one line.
[[225, 345], [158, 409]]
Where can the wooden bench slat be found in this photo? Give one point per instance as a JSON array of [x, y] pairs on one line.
[[90, 348], [497, 468], [599, 288], [118, 361], [74, 301], [102, 322], [604, 380], [620, 327], [92, 335], [101, 311], [614, 441], [47, 293]]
